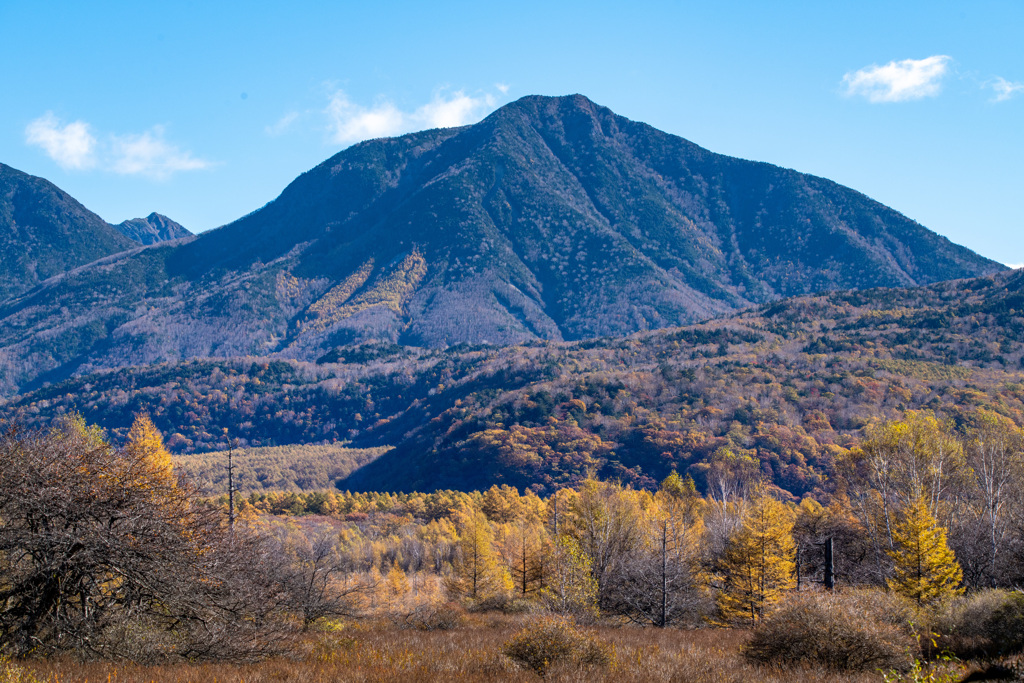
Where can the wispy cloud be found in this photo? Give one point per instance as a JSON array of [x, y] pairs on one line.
[[73, 146], [349, 122], [1004, 89], [1014, 266], [908, 79], [148, 154], [283, 124]]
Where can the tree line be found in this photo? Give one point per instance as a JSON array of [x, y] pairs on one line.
[[105, 551]]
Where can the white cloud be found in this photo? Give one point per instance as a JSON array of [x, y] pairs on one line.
[[908, 79], [75, 147], [502, 88], [71, 146], [456, 110], [283, 124], [1014, 266], [150, 155], [1004, 89], [349, 122]]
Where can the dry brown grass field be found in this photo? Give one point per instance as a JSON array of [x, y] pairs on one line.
[[383, 652]]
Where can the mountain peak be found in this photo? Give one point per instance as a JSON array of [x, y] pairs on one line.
[[152, 229], [556, 218]]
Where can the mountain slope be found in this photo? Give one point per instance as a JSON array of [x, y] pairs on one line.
[[790, 384], [152, 229], [553, 219], [44, 231]]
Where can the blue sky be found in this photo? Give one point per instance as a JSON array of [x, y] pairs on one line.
[[205, 111]]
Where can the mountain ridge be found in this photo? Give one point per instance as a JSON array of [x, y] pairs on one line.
[[553, 218], [45, 231]]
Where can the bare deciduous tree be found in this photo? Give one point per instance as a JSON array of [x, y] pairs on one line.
[[104, 552]]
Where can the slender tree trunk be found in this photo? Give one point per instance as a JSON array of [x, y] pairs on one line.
[[664, 574], [231, 486], [830, 571], [524, 565]]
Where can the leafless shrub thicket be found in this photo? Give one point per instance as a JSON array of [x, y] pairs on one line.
[[104, 553]]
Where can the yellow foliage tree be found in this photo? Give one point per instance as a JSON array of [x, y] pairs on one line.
[[570, 587], [375, 582], [758, 562], [525, 548], [396, 584], [477, 572], [925, 569], [146, 444], [501, 504]]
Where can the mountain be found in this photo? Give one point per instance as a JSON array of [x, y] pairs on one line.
[[790, 384], [152, 229], [553, 218], [44, 232]]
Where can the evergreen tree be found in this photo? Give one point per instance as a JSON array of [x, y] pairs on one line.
[[758, 566], [925, 569]]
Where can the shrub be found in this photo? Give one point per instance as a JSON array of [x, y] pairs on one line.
[[128, 562], [491, 603], [989, 622], [850, 631], [436, 617], [1005, 628], [522, 606], [552, 641]]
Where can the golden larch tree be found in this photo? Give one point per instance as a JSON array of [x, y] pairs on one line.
[[525, 548], [396, 584], [570, 586], [757, 565], [925, 569], [477, 572], [147, 445]]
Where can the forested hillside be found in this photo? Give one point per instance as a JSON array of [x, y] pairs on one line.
[[790, 385], [45, 232]]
